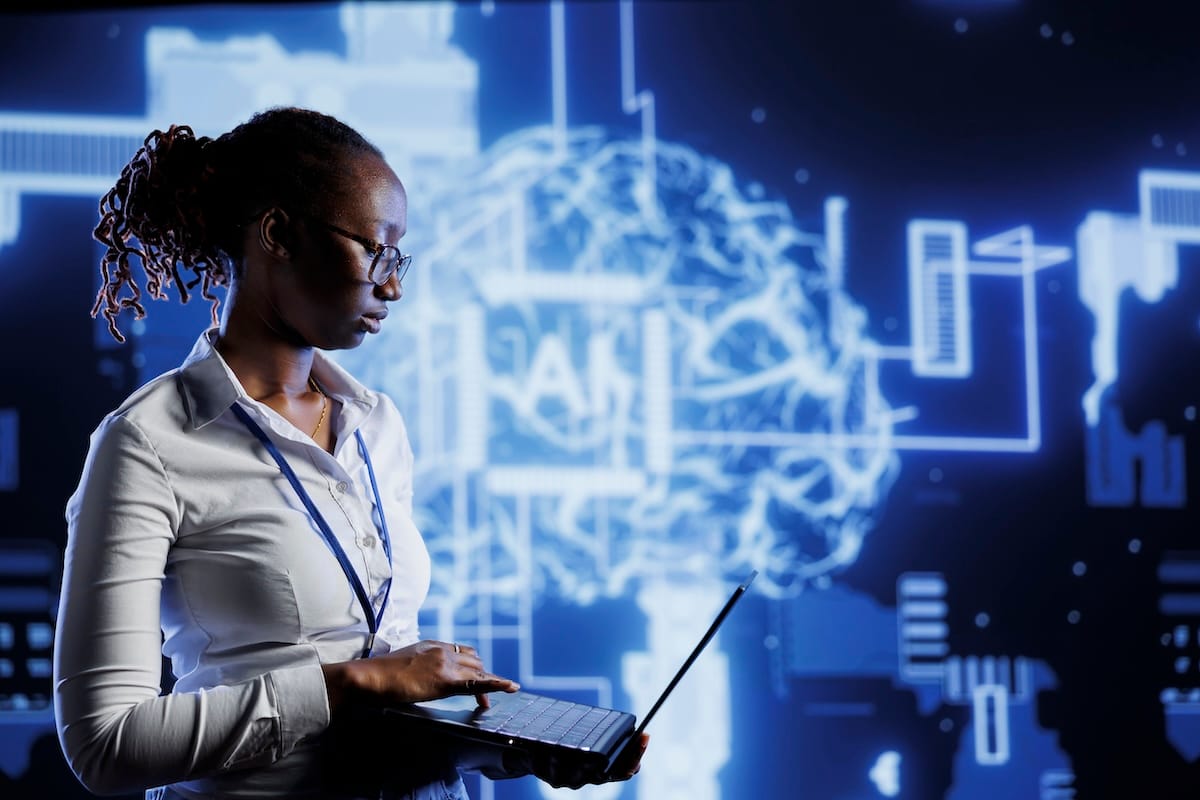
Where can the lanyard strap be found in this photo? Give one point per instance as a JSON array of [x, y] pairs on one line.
[[373, 619]]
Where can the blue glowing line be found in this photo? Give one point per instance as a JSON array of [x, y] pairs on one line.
[[10, 473], [1186, 605], [1057, 784], [1179, 572]]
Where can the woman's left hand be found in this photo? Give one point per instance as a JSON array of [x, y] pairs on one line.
[[624, 768]]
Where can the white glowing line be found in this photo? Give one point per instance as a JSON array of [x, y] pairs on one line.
[[556, 481], [990, 712], [835, 240], [75, 124], [633, 101], [982, 444], [499, 287], [1176, 214], [88, 185], [930, 275], [1033, 403], [558, 65], [889, 353]]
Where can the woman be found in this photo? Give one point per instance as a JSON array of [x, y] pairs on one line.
[[251, 511]]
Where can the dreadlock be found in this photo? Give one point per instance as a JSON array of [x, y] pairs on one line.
[[181, 201]]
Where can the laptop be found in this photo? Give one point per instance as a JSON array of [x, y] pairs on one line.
[[591, 738]]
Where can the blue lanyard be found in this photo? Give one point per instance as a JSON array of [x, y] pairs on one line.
[[373, 619]]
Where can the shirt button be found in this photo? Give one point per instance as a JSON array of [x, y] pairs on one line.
[[368, 541], [341, 487]]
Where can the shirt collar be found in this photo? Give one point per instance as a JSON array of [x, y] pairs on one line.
[[209, 386]]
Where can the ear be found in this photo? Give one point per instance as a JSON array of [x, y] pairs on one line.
[[275, 233]]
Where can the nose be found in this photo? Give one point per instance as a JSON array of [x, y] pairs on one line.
[[390, 290]]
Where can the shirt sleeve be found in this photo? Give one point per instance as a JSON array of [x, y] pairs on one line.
[[116, 730]]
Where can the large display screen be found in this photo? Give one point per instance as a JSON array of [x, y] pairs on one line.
[[896, 304]]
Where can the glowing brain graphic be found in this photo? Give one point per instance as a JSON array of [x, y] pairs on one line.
[[608, 378]]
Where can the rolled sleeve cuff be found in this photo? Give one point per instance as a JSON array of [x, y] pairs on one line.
[[303, 704]]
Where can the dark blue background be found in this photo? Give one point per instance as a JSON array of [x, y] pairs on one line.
[[887, 105]]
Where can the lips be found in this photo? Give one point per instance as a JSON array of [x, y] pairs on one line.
[[373, 321]]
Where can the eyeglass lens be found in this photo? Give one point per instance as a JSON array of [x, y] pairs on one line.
[[390, 260]]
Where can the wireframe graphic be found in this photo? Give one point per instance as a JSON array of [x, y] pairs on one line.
[[630, 377], [1179, 604], [28, 583], [1019, 757], [1119, 252]]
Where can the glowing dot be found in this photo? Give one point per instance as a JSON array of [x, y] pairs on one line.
[[1079, 568], [960, 25], [891, 324], [114, 31], [982, 620], [1068, 38], [1073, 617], [1182, 663], [935, 475], [1053, 286], [771, 642], [1156, 140], [1181, 149], [1135, 545], [756, 190], [138, 327], [946, 724], [1046, 31], [1166, 640], [1189, 413], [802, 176], [759, 115]]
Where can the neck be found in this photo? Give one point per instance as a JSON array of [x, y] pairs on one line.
[[265, 362]]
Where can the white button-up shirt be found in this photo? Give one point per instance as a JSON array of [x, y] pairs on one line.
[[184, 532]]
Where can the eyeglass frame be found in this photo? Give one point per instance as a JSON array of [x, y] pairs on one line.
[[376, 249]]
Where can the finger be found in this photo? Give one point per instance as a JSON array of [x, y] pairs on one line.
[[481, 683], [468, 664], [465, 662], [631, 761], [483, 700], [642, 745], [460, 649]]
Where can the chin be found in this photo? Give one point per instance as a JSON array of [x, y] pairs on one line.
[[344, 340]]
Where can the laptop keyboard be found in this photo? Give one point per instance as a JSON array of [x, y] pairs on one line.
[[548, 720]]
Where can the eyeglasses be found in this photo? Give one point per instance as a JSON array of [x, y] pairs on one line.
[[386, 259]]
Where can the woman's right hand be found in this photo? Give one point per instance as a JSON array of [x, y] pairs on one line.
[[427, 670]]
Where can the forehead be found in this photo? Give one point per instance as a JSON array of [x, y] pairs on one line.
[[371, 193]]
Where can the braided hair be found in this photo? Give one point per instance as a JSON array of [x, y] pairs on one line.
[[181, 201]]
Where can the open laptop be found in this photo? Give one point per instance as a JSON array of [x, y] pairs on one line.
[[574, 734]]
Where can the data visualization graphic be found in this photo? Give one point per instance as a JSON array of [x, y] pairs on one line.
[[636, 365]]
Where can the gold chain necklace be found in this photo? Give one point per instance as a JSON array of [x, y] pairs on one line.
[[324, 405]]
